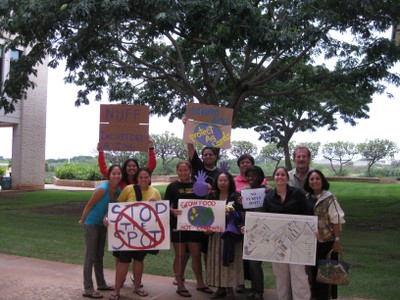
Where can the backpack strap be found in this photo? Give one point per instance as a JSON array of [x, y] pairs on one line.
[[138, 192]]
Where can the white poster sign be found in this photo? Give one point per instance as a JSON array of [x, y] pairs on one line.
[[280, 238], [201, 215], [139, 225], [252, 198]]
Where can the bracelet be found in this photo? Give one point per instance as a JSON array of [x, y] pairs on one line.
[[337, 239]]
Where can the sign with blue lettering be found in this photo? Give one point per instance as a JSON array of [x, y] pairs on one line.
[[139, 225], [124, 127], [252, 198], [208, 125]]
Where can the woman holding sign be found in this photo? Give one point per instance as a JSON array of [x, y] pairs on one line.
[[256, 178], [184, 240], [291, 280], [130, 166], [132, 193], [225, 271], [96, 232]]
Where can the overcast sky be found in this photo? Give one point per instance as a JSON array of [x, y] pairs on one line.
[[73, 131]]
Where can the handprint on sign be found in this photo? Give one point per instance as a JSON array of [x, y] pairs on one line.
[[224, 167], [200, 187]]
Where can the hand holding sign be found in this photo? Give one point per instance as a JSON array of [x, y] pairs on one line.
[[200, 187]]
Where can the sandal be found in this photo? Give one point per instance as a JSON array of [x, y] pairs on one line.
[[106, 288], [93, 295], [220, 293], [114, 296], [184, 293], [141, 293], [205, 289]]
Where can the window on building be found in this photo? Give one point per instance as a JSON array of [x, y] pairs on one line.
[[14, 56], [1, 64]]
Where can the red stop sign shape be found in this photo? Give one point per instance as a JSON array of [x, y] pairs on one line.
[[123, 215]]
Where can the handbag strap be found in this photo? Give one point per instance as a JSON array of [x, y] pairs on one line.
[[341, 254]]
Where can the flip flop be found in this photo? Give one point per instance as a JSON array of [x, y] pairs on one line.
[[205, 289], [114, 296], [93, 295], [184, 293], [106, 288], [141, 293], [133, 280]]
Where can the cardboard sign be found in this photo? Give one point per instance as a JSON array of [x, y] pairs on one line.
[[252, 198], [124, 127], [201, 215], [208, 125], [139, 225]]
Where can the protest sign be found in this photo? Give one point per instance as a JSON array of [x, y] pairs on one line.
[[124, 127], [280, 238], [208, 125], [139, 225], [252, 198], [201, 215]]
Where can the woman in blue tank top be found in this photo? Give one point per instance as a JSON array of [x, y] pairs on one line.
[[95, 232]]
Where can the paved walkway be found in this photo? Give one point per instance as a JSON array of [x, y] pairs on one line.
[[35, 279]]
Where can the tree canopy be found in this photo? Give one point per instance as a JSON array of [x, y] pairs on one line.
[[374, 150], [166, 53]]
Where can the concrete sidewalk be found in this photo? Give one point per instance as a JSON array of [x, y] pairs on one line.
[[35, 279]]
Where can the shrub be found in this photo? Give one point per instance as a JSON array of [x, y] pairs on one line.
[[70, 171], [66, 171], [3, 171]]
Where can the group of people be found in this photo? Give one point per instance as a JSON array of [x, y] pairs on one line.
[[301, 191]]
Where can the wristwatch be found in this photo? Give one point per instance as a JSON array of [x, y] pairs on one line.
[[337, 239]]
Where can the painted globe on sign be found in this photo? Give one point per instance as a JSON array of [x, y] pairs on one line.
[[208, 134], [201, 216]]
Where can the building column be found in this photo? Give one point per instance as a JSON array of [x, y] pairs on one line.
[[29, 137]]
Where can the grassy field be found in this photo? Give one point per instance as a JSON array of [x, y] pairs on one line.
[[44, 224]]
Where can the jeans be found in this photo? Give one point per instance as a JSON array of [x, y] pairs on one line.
[[95, 241]]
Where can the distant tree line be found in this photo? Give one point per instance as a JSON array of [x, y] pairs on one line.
[[170, 148]]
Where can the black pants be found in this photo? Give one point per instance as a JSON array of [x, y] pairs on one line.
[[321, 290]]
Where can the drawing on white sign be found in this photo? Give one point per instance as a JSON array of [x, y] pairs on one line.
[[280, 238]]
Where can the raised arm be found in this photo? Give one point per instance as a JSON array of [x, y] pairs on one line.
[[152, 163], [190, 147], [102, 162]]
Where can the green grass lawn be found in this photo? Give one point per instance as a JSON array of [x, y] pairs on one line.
[[40, 224]]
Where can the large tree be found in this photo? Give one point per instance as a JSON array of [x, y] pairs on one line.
[[374, 150], [168, 147], [339, 153], [239, 148], [272, 151], [280, 117], [166, 53]]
